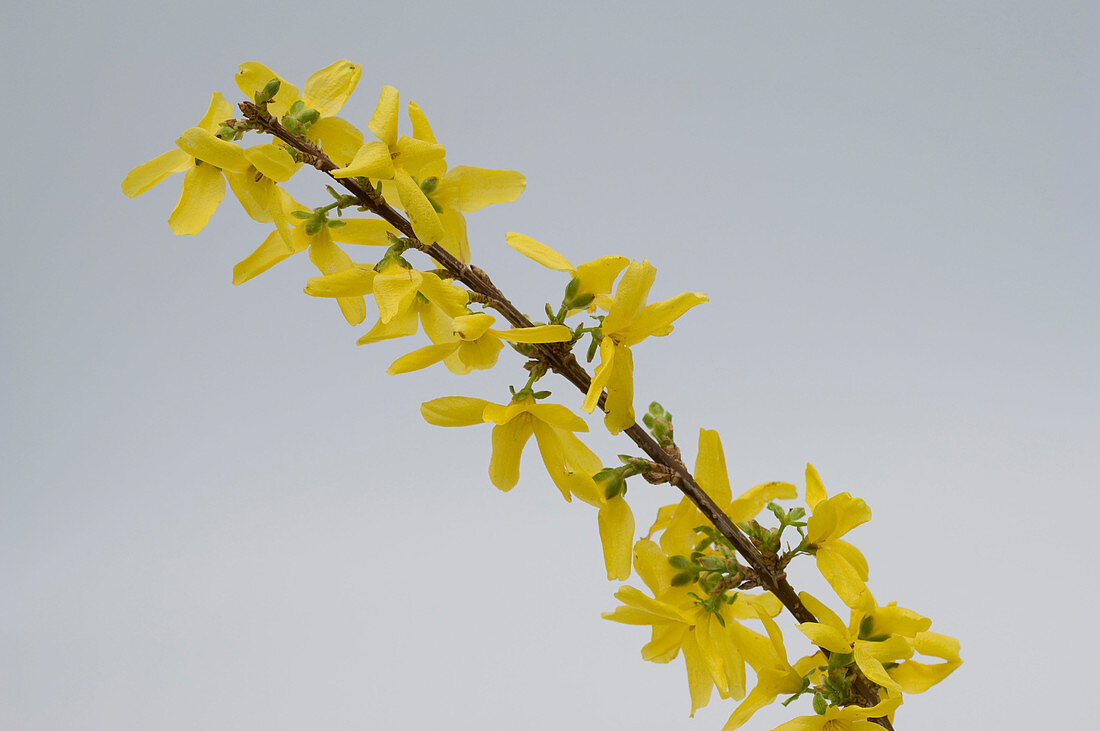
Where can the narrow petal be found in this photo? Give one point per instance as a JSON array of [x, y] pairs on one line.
[[454, 411], [470, 189], [272, 251], [416, 156], [537, 334], [328, 89], [203, 145], [480, 354], [508, 442], [538, 252], [709, 652], [338, 137], [372, 160], [403, 325], [679, 536], [632, 615], [699, 680], [383, 123], [616, 523], [815, 489], [394, 291], [253, 76], [620, 392], [657, 318], [217, 112], [632, 597], [651, 563], [327, 256], [598, 275], [630, 295], [830, 638], [752, 501], [421, 129], [273, 161], [843, 577], [203, 190], [455, 240], [446, 297], [255, 196], [356, 281], [710, 468], [151, 173], [553, 458], [364, 231], [425, 221], [421, 358], [665, 645], [601, 375], [557, 415], [757, 698]]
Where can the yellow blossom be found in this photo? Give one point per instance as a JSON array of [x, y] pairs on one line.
[[848, 718], [841, 563], [568, 461], [595, 277], [476, 344], [629, 321]]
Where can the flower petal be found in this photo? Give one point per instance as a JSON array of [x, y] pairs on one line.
[[620, 392], [273, 161], [815, 489], [537, 334], [598, 275], [269, 253], [364, 231], [217, 112], [616, 523], [538, 252], [480, 354], [630, 295], [447, 297], [470, 189], [203, 145], [339, 138], [425, 221], [328, 89], [656, 319], [710, 468], [823, 635], [255, 196], [203, 190], [421, 129], [416, 156], [699, 680], [651, 563], [753, 500], [421, 358], [383, 123], [151, 173], [508, 442], [403, 325], [395, 290], [356, 281], [372, 160], [454, 411], [558, 416], [253, 76]]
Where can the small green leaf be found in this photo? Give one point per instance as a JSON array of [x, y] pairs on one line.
[[683, 578], [820, 705]]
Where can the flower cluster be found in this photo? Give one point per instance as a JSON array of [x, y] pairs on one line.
[[716, 574]]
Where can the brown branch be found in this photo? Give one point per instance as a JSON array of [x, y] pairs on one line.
[[559, 359]]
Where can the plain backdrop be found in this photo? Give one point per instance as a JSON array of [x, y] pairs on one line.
[[217, 512]]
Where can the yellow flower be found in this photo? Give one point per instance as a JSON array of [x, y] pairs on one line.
[[476, 344], [629, 321], [399, 158], [595, 277], [568, 461], [679, 522], [917, 677], [326, 91], [712, 647], [830, 633], [841, 563], [849, 718], [405, 297], [204, 156]]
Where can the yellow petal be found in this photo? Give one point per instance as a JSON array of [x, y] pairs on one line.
[[273, 161], [553, 458], [425, 221], [651, 563], [699, 680], [666, 642], [679, 538], [403, 325], [631, 597], [557, 415], [338, 137], [705, 635], [538, 252], [630, 295], [852, 555], [421, 358], [710, 468], [415, 156], [850, 512], [821, 611], [217, 112], [149, 174], [620, 392], [822, 635], [394, 291], [454, 240], [454, 411], [203, 145], [252, 77], [353, 282], [601, 375], [364, 231], [757, 698], [537, 334], [843, 577], [470, 189], [421, 129], [598, 275], [448, 298], [372, 160], [472, 327], [917, 677], [815, 489], [656, 319], [480, 354], [383, 123], [272, 251], [754, 500], [255, 196], [616, 523], [631, 615], [895, 620], [328, 89], [508, 442], [203, 190]]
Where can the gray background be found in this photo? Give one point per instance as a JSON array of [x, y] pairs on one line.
[[217, 512]]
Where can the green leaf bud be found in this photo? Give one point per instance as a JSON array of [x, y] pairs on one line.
[[572, 288], [820, 705], [271, 88], [313, 227], [428, 185], [679, 562], [683, 578]]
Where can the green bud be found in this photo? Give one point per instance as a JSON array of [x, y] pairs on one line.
[[712, 563], [296, 109], [303, 215], [428, 185], [572, 288], [656, 409], [269, 91], [683, 578], [314, 226], [309, 116], [336, 224], [648, 421], [820, 705], [541, 395], [679, 562], [581, 301], [866, 627]]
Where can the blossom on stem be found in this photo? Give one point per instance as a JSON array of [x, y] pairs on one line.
[[841, 563], [628, 322], [595, 277], [568, 461]]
